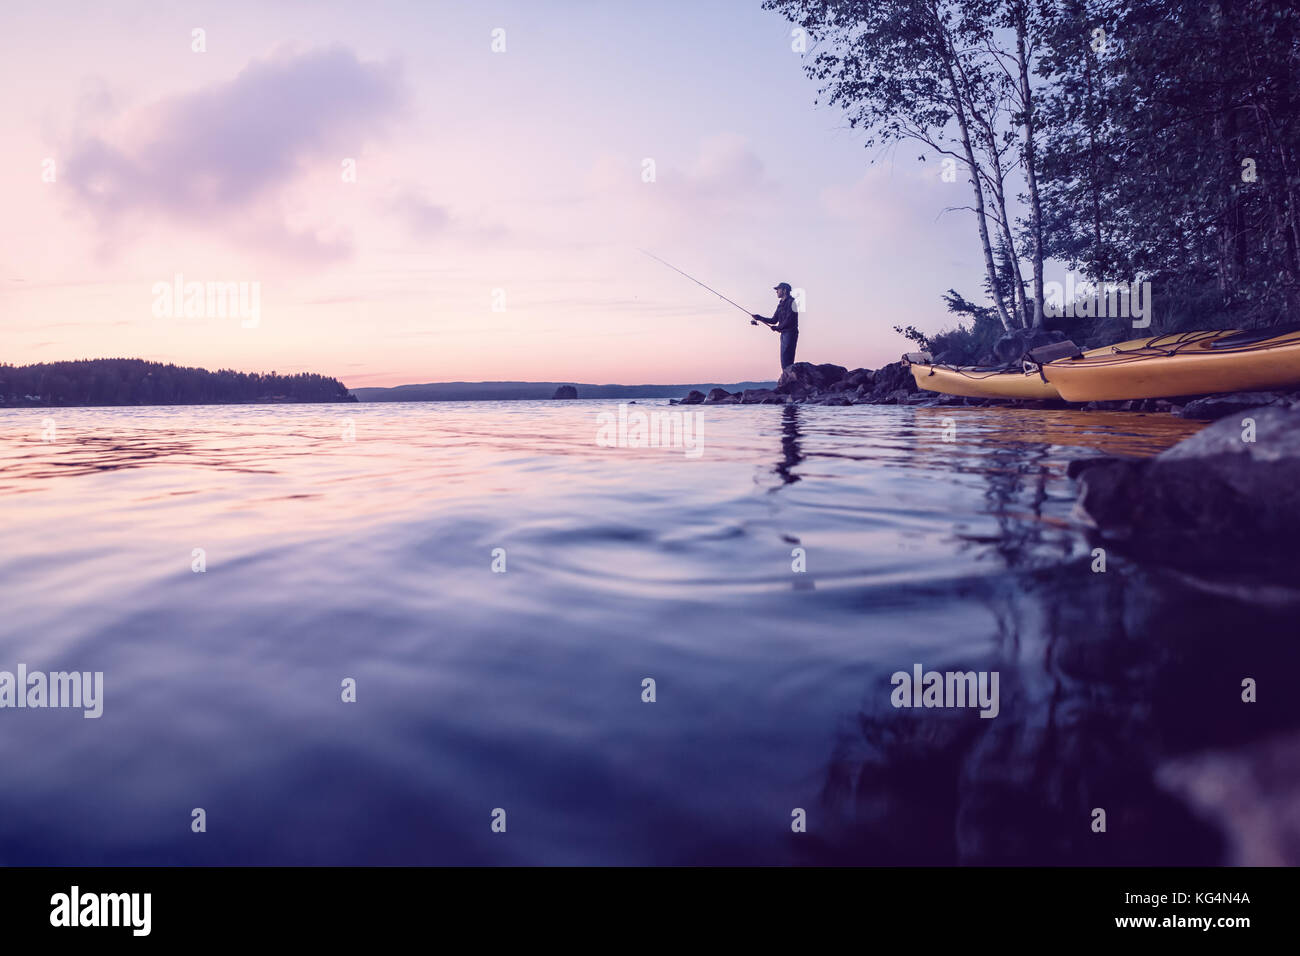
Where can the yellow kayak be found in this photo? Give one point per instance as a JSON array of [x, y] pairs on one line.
[[975, 382], [1184, 363]]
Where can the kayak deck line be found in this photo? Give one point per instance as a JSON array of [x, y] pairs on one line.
[[1199, 362], [1190, 363]]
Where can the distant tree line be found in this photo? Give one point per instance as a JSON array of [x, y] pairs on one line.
[[1143, 140], [137, 382]]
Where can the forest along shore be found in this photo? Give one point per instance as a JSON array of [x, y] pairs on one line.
[[112, 381]]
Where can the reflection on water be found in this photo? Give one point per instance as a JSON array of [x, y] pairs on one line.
[[791, 454], [934, 536]]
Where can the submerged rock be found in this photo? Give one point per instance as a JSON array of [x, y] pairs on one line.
[[1220, 406], [1227, 498], [1252, 794], [565, 391]]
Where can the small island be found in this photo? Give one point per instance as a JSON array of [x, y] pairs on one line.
[[117, 381]]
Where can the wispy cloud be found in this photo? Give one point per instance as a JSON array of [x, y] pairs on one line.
[[221, 157]]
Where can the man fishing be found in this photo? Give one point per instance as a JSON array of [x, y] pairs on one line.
[[784, 320]]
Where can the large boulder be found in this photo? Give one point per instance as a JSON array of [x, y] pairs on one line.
[[717, 395], [804, 377], [858, 377], [1227, 498], [1015, 343], [888, 379], [693, 397], [565, 391]]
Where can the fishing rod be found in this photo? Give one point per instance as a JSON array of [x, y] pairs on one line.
[[748, 314]]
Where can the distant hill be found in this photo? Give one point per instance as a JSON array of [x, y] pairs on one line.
[[115, 381], [509, 391]]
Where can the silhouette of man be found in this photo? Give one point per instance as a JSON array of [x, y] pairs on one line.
[[784, 320]]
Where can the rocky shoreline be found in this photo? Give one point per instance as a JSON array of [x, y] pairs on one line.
[[805, 383]]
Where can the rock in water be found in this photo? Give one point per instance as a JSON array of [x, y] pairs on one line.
[[1220, 406], [804, 377], [565, 391], [693, 397], [1253, 794], [891, 378], [717, 395], [1227, 498]]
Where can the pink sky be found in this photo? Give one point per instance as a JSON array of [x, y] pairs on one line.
[[476, 171]]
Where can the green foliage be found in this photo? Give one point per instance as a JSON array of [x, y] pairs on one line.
[[1150, 148], [912, 334], [1164, 137], [965, 343]]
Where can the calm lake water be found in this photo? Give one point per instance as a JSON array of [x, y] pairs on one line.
[[372, 559]]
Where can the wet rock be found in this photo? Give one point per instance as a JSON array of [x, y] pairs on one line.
[[1217, 500], [859, 377], [755, 396], [693, 397], [891, 378], [565, 391], [807, 377], [1015, 343], [717, 395], [835, 400], [1253, 795], [1220, 406]]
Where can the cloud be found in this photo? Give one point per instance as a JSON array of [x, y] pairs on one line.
[[227, 154], [420, 216], [425, 219], [726, 166]]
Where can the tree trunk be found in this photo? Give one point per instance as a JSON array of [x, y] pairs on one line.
[[1094, 175], [1031, 174], [948, 55], [981, 215]]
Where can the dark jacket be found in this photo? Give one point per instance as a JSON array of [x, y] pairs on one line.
[[785, 318]]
